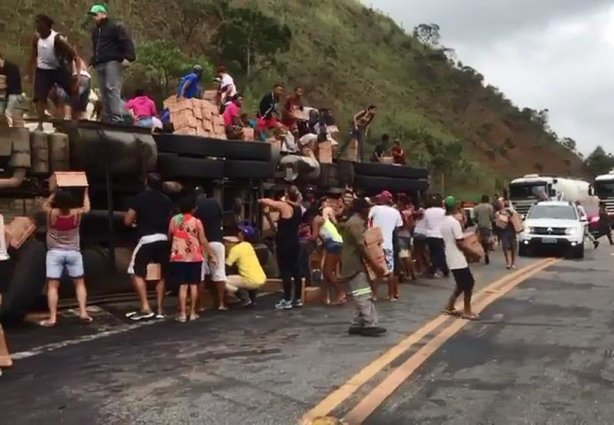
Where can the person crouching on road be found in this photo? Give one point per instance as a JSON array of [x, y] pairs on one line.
[[453, 238], [150, 212], [354, 273], [189, 247], [251, 276], [64, 251]]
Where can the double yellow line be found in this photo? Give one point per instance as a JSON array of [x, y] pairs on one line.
[[376, 397]]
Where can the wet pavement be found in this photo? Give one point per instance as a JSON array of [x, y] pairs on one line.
[[539, 353]]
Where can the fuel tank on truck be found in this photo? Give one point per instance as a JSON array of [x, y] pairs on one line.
[[128, 151]]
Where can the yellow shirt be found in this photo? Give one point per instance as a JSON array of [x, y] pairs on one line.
[[244, 256]]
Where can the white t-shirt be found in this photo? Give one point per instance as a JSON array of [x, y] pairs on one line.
[[420, 228], [451, 231], [388, 219], [432, 219], [228, 83]]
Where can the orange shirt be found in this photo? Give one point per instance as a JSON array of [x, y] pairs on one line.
[[186, 232]]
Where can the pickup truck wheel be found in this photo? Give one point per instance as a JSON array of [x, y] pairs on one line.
[[578, 252], [523, 251], [173, 166]]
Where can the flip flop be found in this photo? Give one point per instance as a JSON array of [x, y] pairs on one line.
[[194, 317], [181, 319], [453, 313], [472, 317], [86, 320], [47, 323]]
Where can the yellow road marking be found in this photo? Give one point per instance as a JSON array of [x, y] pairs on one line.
[[392, 382], [334, 399]]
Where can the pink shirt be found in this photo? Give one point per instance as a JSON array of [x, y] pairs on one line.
[[232, 110], [142, 107]]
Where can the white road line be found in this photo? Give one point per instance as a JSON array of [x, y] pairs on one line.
[[59, 345]]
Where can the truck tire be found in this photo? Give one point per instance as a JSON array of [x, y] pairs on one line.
[[373, 184], [187, 145], [173, 166], [242, 169], [28, 280], [389, 170]]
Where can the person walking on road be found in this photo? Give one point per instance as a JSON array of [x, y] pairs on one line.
[[484, 216], [507, 234], [64, 251], [113, 51], [208, 211], [405, 235], [389, 220], [433, 216], [584, 220], [604, 223], [150, 213], [353, 271], [453, 238], [287, 246]]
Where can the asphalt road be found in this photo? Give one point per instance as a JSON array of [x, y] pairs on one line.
[[544, 354]]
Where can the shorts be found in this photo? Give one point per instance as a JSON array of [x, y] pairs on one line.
[[78, 104], [45, 79], [156, 253], [146, 122], [389, 254], [218, 271], [508, 240], [332, 247], [484, 235], [404, 247], [464, 280], [58, 260], [186, 273]]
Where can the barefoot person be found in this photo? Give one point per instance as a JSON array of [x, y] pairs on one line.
[[150, 212], [453, 239], [64, 250]]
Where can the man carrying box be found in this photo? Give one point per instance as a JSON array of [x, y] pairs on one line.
[[453, 238]]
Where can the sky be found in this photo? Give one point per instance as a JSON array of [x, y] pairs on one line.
[[543, 54]]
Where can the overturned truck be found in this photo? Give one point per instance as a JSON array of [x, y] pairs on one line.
[[116, 161]]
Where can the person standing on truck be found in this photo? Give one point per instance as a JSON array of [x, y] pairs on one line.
[[209, 211], [14, 98], [360, 127], [268, 115], [64, 251], [189, 86], [353, 271], [453, 237], [113, 50], [150, 212], [142, 108], [287, 246], [53, 62], [485, 216]]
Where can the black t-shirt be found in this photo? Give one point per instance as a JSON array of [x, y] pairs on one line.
[[13, 78], [153, 212], [208, 210], [379, 151]]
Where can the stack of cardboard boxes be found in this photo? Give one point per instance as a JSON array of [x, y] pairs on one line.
[[196, 117]]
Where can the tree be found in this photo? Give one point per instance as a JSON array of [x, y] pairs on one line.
[[428, 34], [252, 40], [599, 162]]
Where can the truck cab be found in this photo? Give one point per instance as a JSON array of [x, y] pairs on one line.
[[604, 189]]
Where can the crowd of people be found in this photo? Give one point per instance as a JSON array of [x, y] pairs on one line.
[[183, 244]]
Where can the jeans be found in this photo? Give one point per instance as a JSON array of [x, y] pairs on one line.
[[110, 82], [438, 256], [59, 259]]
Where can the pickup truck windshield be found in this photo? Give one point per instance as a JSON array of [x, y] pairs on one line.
[[556, 212]]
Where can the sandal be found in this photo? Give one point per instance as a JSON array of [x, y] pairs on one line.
[[454, 313], [194, 317], [472, 317], [181, 319], [47, 323], [86, 320]]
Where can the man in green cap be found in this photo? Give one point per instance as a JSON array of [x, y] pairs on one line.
[[113, 50], [452, 233]]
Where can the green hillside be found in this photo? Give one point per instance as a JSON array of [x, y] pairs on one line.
[[345, 56]]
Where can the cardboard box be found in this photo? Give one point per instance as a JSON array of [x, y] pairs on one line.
[[198, 113], [473, 245], [210, 95], [191, 131], [374, 252], [517, 223], [248, 134], [303, 115], [332, 129], [325, 153], [18, 231], [73, 181]]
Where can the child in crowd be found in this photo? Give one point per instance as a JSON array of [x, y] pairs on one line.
[[189, 248], [251, 277]]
